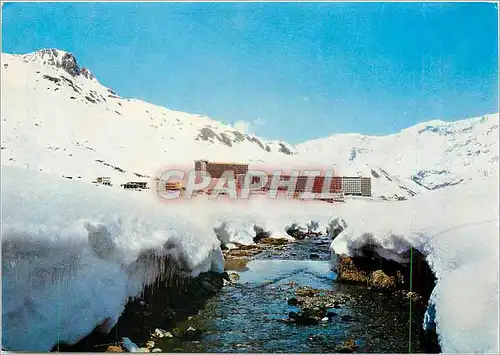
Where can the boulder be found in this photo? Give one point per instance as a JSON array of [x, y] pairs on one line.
[[115, 349], [347, 272], [236, 264], [191, 334], [303, 318], [380, 281]]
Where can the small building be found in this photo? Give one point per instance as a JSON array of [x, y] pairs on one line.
[[103, 180], [135, 185]]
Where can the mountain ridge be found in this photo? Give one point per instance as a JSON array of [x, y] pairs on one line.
[[92, 131]]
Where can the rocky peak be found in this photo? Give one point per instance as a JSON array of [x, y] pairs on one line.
[[59, 59], [86, 73]]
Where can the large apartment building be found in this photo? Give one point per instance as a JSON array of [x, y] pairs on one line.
[[356, 185], [216, 168], [339, 185]]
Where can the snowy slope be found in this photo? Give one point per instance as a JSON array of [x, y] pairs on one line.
[[57, 118], [434, 154]]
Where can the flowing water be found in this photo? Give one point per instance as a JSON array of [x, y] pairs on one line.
[[248, 315]]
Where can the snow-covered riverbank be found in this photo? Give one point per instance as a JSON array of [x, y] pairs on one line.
[[68, 246], [70, 255], [457, 230]]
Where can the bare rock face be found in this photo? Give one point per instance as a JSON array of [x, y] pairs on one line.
[[86, 73], [285, 150], [59, 59], [69, 64], [64, 60]]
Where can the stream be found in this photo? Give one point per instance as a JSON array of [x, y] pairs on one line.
[[251, 314]]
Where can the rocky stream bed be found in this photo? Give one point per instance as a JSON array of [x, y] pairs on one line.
[[277, 296]]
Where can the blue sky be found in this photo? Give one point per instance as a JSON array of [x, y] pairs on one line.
[[292, 71]]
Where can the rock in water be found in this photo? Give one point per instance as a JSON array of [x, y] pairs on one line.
[[274, 241], [303, 319], [191, 334], [331, 314], [346, 318], [236, 264], [159, 333], [349, 346]]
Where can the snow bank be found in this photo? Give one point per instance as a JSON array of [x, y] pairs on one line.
[[74, 253], [68, 247], [457, 230], [237, 221]]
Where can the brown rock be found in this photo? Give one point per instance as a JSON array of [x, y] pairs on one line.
[[246, 247], [241, 253], [348, 272], [381, 282], [236, 264], [274, 241], [115, 349], [349, 346]]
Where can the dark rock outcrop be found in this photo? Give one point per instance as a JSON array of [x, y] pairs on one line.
[[86, 73], [68, 63], [60, 59]]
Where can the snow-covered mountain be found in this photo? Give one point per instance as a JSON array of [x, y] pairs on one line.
[[433, 154], [57, 118]]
